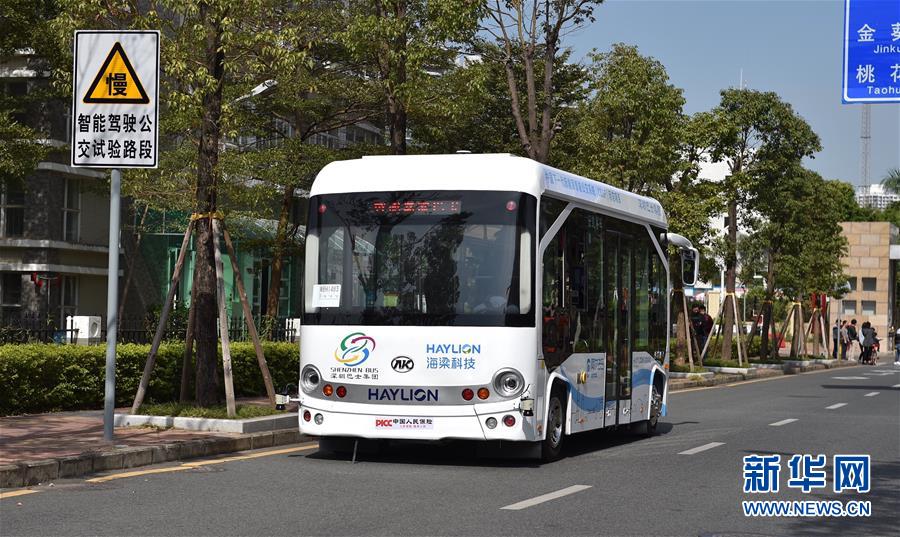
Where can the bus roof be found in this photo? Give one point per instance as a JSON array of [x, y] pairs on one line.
[[465, 171]]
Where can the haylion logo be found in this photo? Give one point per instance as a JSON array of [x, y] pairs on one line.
[[354, 349]]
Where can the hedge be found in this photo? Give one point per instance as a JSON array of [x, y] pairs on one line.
[[46, 377]]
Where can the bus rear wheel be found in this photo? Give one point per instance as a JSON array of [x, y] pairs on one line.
[[655, 411], [551, 446]]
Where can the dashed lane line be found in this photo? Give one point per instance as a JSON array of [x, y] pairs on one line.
[[896, 386], [704, 447], [835, 406], [783, 422], [871, 394], [545, 497]]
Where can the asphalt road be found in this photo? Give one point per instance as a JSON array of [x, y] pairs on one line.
[[609, 483]]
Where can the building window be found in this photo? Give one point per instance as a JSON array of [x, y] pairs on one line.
[[868, 307], [852, 283], [10, 298], [12, 210], [849, 307], [869, 284], [68, 304], [72, 211]]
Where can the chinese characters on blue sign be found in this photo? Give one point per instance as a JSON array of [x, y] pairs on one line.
[[871, 51], [807, 472]]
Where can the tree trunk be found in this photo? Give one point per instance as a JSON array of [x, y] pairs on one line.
[[278, 252], [728, 319], [396, 79], [205, 331], [768, 310]]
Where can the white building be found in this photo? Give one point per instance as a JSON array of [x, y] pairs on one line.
[[875, 196]]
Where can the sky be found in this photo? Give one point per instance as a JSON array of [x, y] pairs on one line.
[[794, 48]]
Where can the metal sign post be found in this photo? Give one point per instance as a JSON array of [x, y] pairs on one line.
[[112, 304], [115, 89]]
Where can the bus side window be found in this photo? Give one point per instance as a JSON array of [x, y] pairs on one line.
[[555, 318]]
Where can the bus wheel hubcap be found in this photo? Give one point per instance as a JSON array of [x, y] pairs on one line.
[[555, 422]]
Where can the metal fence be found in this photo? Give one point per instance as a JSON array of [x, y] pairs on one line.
[[47, 329]]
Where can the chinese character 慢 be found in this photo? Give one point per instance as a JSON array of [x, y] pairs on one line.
[[865, 73], [145, 123], [84, 123], [83, 148], [851, 472], [895, 31], [116, 84], [99, 123], [866, 34], [113, 120], [761, 473], [895, 74], [807, 472]]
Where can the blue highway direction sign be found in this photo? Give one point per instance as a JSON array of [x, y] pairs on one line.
[[871, 51]]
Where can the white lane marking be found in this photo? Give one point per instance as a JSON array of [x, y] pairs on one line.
[[896, 386], [851, 378], [871, 394], [783, 422], [835, 406], [704, 447], [546, 497]]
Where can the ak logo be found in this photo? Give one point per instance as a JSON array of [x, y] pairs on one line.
[[354, 349]]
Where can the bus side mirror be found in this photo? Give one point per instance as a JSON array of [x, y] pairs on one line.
[[690, 266]]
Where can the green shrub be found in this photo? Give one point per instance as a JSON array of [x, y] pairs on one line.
[[216, 412], [723, 363], [45, 377]]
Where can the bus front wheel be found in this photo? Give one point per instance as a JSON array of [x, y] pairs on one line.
[[551, 447]]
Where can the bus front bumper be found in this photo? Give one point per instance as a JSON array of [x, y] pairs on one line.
[[416, 422]]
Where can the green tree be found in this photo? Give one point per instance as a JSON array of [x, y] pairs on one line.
[[401, 44], [798, 244], [752, 130], [529, 35], [629, 131], [891, 180]]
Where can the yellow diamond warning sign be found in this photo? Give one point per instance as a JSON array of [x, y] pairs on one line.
[[116, 81]]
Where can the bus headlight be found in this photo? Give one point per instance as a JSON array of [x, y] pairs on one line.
[[508, 383], [310, 378]]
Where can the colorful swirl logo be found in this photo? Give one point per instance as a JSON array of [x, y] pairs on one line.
[[354, 349]]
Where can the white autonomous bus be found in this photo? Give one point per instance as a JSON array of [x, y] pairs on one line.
[[484, 297]]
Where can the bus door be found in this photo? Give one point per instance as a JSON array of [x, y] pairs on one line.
[[617, 250]]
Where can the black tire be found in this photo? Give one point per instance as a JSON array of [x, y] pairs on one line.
[[655, 412], [551, 446]]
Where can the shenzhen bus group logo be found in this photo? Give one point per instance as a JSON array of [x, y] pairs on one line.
[[354, 349]]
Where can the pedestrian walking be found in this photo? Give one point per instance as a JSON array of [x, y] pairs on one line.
[[897, 348], [835, 337], [707, 321], [697, 324], [845, 339]]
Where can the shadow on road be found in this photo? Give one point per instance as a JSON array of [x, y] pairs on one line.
[[478, 454]]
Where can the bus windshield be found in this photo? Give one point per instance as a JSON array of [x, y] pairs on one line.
[[451, 258]]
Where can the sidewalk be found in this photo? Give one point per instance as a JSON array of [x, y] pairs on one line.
[[40, 447]]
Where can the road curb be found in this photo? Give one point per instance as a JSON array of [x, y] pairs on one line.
[[679, 385], [29, 473]]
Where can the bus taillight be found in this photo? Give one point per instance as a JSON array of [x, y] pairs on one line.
[[341, 391], [483, 393], [328, 389], [468, 394]]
